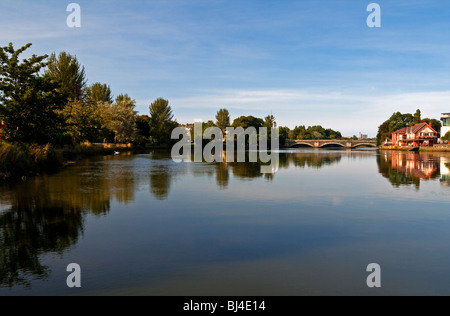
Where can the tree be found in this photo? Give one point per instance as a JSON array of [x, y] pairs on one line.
[[161, 121], [84, 121], [66, 70], [223, 119], [269, 121], [120, 118], [143, 126], [248, 121], [417, 118], [98, 92], [446, 137], [399, 121], [384, 132], [28, 101]]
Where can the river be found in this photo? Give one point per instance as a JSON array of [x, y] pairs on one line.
[[146, 225]]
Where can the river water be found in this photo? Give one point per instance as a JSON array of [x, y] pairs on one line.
[[146, 225]]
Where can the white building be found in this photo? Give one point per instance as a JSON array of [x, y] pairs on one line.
[[445, 124]]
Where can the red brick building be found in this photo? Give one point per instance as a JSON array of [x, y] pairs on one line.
[[418, 135]]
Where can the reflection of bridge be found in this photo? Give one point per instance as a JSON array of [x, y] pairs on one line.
[[320, 143]]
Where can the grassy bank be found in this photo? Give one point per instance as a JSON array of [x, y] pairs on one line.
[[21, 161]]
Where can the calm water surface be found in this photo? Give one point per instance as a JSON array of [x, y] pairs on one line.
[[145, 225]]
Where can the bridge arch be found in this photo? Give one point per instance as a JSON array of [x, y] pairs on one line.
[[332, 144], [302, 145], [364, 145]]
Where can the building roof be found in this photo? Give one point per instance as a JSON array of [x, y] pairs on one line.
[[414, 129]]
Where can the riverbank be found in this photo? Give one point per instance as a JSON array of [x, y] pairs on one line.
[[435, 148], [21, 161]]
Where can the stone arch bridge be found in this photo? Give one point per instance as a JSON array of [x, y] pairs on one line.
[[320, 143]]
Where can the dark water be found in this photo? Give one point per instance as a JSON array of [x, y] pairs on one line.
[[145, 225]]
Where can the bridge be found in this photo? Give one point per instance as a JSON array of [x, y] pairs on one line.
[[321, 143]]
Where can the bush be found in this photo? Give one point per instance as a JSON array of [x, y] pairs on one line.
[[23, 160]]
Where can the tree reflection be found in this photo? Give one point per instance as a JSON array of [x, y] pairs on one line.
[[35, 224], [408, 168], [46, 214]]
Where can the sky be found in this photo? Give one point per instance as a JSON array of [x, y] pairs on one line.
[[308, 62]]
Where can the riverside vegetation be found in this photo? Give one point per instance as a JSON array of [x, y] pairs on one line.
[[50, 115]]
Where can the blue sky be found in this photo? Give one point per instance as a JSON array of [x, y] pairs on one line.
[[308, 62]]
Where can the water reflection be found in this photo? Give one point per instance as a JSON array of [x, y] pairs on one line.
[[410, 168], [445, 171], [46, 214]]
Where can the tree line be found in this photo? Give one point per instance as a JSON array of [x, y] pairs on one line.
[[46, 100]]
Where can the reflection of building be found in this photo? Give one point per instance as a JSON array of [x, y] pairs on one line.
[[445, 171], [418, 135], [411, 164], [445, 124]]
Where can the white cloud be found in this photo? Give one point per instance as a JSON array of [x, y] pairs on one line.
[[349, 113]]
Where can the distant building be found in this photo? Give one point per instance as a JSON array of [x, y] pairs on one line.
[[445, 124], [362, 136], [418, 135]]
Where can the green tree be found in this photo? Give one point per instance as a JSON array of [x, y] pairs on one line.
[[29, 102], [223, 119], [248, 121], [98, 92], [269, 121], [417, 118], [161, 121], [143, 126], [384, 132], [399, 121], [67, 71], [446, 137], [84, 121]]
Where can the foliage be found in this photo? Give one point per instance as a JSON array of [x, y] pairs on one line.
[[446, 136], [28, 101], [120, 118], [248, 121], [143, 126], [98, 92], [223, 119], [314, 132], [161, 121], [84, 121], [269, 121], [66, 70]]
